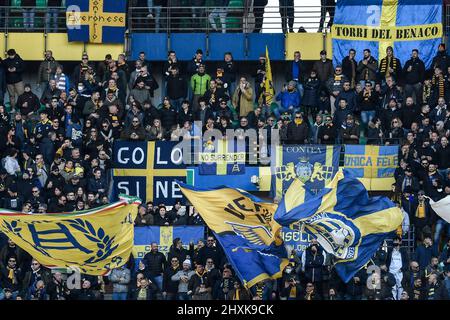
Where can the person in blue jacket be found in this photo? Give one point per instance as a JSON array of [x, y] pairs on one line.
[[290, 100]]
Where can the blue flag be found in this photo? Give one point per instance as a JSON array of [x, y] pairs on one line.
[[96, 21], [377, 24], [343, 218], [313, 165]]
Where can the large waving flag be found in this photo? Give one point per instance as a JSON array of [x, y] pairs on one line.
[[442, 208], [345, 220], [244, 227], [92, 241], [377, 24], [96, 21]]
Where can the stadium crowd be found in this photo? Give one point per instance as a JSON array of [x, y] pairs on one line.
[[56, 157]]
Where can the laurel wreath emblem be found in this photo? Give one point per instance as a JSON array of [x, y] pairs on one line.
[[104, 242]]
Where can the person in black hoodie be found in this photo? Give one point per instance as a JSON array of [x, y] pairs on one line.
[[176, 250], [297, 131], [414, 75], [442, 59], [312, 264], [310, 99], [349, 67], [176, 87], [28, 102], [14, 66]]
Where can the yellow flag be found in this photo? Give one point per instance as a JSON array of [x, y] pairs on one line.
[[230, 210], [92, 241], [268, 82]]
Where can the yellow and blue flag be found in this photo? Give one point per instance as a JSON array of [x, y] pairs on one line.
[[163, 236], [96, 21], [343, 218], [92, 241], [313, 165], [222, 157], [377, 24], [371, 161], [244, 226], [268, 81]]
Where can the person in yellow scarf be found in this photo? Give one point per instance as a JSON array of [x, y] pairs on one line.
[[238, 292], [10, 274]]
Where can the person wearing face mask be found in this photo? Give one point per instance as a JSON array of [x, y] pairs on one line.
[[290, 287], [297, 130], [313, 260], [397, 262]]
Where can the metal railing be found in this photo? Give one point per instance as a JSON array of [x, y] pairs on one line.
[[268, 19], [33, 19]]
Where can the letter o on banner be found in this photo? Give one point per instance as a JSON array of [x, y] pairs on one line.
[[134, 156]]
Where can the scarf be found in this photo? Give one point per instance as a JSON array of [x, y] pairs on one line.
[[439, 81], [298, 121], [11, 276], [386, 63], [237, 294]]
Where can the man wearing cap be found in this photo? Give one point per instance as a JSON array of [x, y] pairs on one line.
[[323, 67], [183, 278], [289, 99], [407, 181], [14, 66]]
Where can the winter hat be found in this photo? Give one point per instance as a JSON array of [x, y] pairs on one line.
[[182, 211], [187, 261], [292, 83]]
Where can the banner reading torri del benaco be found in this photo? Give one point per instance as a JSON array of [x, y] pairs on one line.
[[377, 24]]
